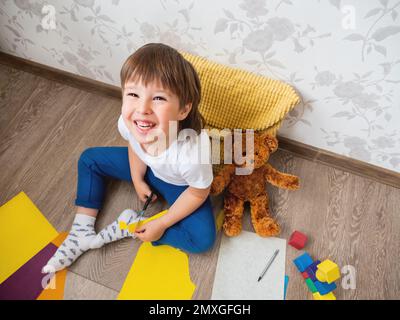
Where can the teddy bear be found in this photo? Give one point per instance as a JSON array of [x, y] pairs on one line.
[[241, 188]]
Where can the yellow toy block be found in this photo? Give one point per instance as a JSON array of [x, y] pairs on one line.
[[328, 271], [328, 296]]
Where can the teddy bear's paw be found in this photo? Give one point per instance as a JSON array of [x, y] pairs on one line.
[[232, 228], [292, 183], [267, 227]]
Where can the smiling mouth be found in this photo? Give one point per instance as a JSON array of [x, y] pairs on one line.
[[144, 126]]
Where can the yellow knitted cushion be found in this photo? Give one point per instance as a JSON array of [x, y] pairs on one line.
[[233, 98]]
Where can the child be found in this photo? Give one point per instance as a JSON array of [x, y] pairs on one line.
[[161, 92]]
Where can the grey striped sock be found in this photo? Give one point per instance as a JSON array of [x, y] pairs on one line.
[[112, 232], [77, 242]]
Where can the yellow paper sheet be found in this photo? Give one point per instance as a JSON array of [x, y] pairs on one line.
[[24, 231], [158, 273]]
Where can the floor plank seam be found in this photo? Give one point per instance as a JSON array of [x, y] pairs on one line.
[[91, 280]]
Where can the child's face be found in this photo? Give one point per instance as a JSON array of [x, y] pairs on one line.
[[148, 110]]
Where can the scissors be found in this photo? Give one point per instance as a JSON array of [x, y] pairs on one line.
[[141, 213]]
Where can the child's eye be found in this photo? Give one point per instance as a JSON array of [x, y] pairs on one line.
[[159, 98], [132, 94]]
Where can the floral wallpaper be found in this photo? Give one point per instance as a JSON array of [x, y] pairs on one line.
[[343, 57]]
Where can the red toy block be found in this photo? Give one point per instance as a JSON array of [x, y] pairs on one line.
[[298, 240], [305, 275]]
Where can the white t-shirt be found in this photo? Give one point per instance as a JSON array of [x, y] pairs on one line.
[[185, 162]]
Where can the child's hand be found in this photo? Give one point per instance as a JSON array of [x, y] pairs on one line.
[[143, 191], [151, 231]]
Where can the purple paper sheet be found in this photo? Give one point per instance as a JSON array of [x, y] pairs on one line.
[[26, 282]]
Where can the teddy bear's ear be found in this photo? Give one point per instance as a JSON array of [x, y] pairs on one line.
[[270, 141]]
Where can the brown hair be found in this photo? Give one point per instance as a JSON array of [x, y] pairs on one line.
[[160, 62]]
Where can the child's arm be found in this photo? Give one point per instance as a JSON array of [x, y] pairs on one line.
[[138, 167], [187, 202], [138, 170]]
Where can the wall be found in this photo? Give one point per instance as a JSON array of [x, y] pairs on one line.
[[342, 56]]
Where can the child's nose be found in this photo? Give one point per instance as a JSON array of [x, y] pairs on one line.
[[144, 107]]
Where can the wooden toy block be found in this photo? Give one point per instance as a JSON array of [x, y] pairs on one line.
[[327, 271], [303, 262], [329, 296], [311, 285], [324, 288], [305, 275], [298, 240], [312, 269]]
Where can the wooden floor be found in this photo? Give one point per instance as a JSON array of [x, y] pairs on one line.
[[44, 127]]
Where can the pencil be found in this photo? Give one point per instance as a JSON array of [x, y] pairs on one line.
[[268, 264]]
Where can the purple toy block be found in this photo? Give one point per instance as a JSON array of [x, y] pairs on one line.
[[312, 270], [311, 274], [303, 262], [324, 287]]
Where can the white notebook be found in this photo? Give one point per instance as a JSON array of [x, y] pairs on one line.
[[241, 261]]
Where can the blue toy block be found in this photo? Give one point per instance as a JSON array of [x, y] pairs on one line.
[[324, 287], [303, 262], [312, 270]]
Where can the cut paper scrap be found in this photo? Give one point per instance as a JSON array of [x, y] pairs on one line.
[[24, 231], [56, 286], [241, 261], [285, 287], [59, 239], [55, 290], [220, 219], [28, 282], [131, 227], [158, 273]]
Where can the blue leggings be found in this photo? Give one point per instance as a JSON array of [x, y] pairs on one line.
[[195, 233]]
